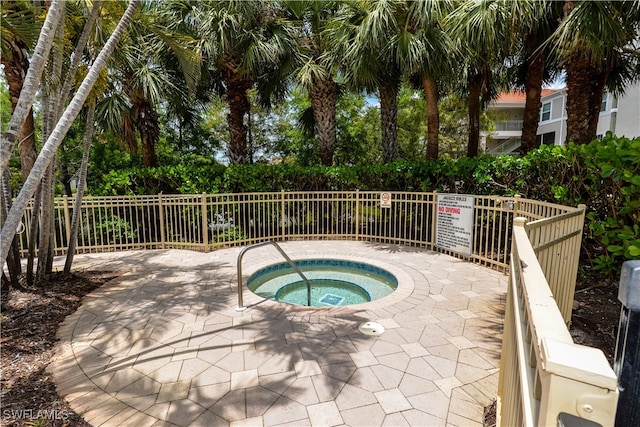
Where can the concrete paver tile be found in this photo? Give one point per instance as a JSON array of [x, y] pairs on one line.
[[392, 401], [327, 388], [412, 385], [388, 377], [232, 406], [244, 379], [324, 414], [183, 412], [307, 368], [363, 358], [398, 361], [340, 371], [420, 368], [285, 411], [211, 375], [259, 399], [353, 397], [414, 349], [302, 391], [365, 378], [173, 391], [248, 422], [365, 416], [278, 382], [447, 384], [461, 342], [128, 415], [191, 368], [418, 418], [143, 387], [207, 395], [159, 410], [395, 420], [211, 419], [169, 372], [435, 403], [444, 367], [455, 420]]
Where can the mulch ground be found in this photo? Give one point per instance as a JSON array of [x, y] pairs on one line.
[[28, 324], [30, 319]]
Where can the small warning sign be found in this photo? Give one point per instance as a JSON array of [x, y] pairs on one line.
[[385, 200]]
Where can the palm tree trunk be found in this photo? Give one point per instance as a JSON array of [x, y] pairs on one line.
[[46, 223], [475, 92], [13, 260], [146, 121], [389, 121], [430, 89], [53, 142], [16, 66], [585, 88], [239, 108], [31, 81], [77, 56], [82, 179], [33, 234], [323, 102], [536, 58]]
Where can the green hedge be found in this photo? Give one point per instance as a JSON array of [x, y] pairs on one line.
[[604, 175]]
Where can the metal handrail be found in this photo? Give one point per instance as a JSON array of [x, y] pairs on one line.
[[289, 260]]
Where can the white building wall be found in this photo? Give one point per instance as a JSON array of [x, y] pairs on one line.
[[627, 121]]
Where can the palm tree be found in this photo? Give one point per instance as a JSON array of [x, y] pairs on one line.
[[534, 22], [242, 41], [482, 29], [594, 41], [316, 65], [16, 62], [153, 63], [53, 142]]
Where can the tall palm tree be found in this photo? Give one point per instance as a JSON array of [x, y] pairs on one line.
[[316, 64], [53, 142], [595, 43], [14, 56], [242, 41], [153, 62], [482, 28], [534, 21]]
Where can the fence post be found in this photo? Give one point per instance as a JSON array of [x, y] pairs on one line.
[[357, 214], [67, 221], [205, 223], [627, 360], [283, 220], [161, 215]]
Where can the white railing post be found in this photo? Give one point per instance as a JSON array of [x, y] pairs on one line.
[[358, 214], [205, 222], [576, 380], [161, 217], [67, 220]]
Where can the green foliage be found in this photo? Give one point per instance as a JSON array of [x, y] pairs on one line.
[[603, 175]]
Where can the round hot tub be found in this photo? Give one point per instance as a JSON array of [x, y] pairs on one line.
[[332, 283]]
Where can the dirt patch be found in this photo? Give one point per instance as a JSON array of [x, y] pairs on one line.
[[28, 325]]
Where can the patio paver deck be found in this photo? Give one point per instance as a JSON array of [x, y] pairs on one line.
[[163, 344]]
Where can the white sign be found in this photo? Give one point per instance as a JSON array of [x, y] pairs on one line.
[[454, 223], [385, 200]]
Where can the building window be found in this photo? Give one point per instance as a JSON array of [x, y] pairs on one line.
[[603, 106], [546, 138], [545, 113]]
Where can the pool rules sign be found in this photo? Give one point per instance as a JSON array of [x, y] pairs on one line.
[[454, 223]]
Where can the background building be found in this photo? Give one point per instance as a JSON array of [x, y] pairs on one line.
[[620, 115]]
